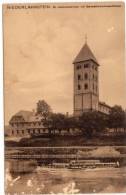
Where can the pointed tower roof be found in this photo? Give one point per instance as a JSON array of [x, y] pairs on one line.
[[85, 54]]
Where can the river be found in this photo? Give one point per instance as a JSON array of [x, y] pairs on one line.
[[43, 180]]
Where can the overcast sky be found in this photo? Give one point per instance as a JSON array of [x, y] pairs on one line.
[[40, 46]]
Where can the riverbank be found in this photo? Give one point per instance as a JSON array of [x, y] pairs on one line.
[[63, 141]]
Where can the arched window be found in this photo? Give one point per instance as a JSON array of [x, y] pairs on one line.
[[86, 65], [79, 87], [22, 131], [79, 76], [86, 76], [86, 86], [78, 67], [33, 130]]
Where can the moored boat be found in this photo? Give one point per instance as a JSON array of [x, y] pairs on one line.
[[83, 164]]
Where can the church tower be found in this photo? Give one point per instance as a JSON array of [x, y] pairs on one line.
[[86, 88]]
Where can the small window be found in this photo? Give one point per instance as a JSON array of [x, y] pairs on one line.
[[96, 68], [85, 65], [78, 67], [86, 76], [93, 76], [33, 130], [22, 131], [79, 87], [17, 131], [86, 86], [12, 132], [29, 131], [79, 77]]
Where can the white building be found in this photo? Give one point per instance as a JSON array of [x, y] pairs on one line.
[[26, 123]]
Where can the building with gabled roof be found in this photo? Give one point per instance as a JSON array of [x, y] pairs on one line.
[[21, 116], [25, 123]]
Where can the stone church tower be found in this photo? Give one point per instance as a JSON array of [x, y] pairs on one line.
[[86, 88]]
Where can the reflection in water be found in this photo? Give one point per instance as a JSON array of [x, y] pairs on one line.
[[22, 166], [26, 176]]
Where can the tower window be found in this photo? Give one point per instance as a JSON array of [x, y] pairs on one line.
[[86, 86], [86, 76], [79, 87], [78, 67], [22, 131], [79, 76], [86, 65]]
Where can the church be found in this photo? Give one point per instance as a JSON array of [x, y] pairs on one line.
[[86, 96], [86, 83]]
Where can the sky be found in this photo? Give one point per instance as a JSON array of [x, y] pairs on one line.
[[41, 44]]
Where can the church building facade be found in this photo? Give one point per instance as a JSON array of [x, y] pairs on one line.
[[86, 83]]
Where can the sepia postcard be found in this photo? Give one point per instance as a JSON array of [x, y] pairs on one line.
[[64, 95]]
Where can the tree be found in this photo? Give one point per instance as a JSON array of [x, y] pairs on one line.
[[92, 121], [124, 124], [70, 122], [59, 121], [116, 117], [55, 121], [43, 108]]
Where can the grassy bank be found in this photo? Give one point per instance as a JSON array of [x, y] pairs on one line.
[[68, 141]]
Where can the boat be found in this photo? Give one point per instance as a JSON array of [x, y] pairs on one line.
[[92, 164], [59, 165]]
